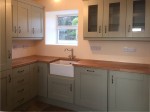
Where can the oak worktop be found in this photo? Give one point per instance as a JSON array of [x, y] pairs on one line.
[[32, 59], [108, 65]]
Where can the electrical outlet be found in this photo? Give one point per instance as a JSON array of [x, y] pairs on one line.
[[96, 48], [128, 49]]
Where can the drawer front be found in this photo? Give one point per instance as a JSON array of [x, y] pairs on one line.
[[21, 71], [21, 91], [21, 80], [20, 100], [88, 70]]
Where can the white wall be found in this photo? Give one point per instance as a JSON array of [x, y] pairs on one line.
[[110, 50]]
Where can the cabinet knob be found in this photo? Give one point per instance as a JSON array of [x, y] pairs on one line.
[[129, 28], [15, 29], [19, 29], [9, 54], [112, 79], [99, 29], [71, 87], [33, 30], [9, 78], [90, 70], [105, 29]]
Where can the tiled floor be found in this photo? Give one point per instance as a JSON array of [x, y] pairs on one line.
[[36, 105]]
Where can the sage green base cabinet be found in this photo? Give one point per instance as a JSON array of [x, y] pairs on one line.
[[61, 88], [33, 80], [128, 92], [6, 90], [42, 79], [21, 85], [91, 88]]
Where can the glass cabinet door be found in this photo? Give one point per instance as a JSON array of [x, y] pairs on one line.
[[138, 18], [114, 18], [93, 15]]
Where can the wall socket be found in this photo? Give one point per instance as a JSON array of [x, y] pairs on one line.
[[128, 49], [96, 48]]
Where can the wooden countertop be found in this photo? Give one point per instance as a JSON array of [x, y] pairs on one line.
[[32, 59], [118, 66], [108, 65]]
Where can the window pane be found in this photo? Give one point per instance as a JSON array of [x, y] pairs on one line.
[[114, 16], [67, 34], [138, 15], [68, 20], [92, 18]]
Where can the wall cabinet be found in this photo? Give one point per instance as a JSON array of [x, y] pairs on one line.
[[91, 88], [5, 35], [42, 79], [116, 18], [61, 88], [27, 20], [37, 18], [6, 90], [138, 16], [128, 92]]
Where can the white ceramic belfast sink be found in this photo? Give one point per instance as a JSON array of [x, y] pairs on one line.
[[62, 68]]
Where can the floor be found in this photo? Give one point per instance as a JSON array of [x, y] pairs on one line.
[[36, 105]]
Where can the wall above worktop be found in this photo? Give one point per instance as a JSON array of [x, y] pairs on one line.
[[124, 51]]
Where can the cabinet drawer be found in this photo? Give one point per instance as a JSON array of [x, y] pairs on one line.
[[21, 80], [20, 100], [21, 71], [21, 91], [87, 70]]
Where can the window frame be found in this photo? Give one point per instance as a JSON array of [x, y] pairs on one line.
[[66, 27]]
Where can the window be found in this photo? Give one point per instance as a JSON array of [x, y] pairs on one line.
[[62, 28], [67, 29]]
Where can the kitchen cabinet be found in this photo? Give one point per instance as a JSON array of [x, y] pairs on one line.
[[42, 79], [91, 88], [21, 85], [5, 35], [6, 90], [128, 92], [61, 88], [138, 17], [27, 20], [104, 18], [120, 19], [37, 21], [33, 80]]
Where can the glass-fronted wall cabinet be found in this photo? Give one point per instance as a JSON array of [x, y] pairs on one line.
[[138, 16], [104, 18], [116, 18], [93, 18]]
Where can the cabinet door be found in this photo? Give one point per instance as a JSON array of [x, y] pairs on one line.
[[114, 18], [93, 17], [37, 22], [42, 79], [2, 36], [14, 18], [60, 88], [91, 88], [138, 16], [128, 92], [5, 35], [24, 21], [33, 80], [6, 95]]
